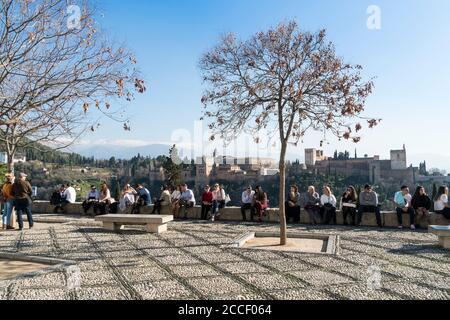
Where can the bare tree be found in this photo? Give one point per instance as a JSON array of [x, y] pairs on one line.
[[58, 71], [285, 81]]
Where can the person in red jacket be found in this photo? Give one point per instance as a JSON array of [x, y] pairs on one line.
[[207, 201]]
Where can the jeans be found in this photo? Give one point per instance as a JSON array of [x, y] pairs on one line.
[[314, 213], [347, 211], [88, 204], [412, 216], [244, 208], [7, 211], [364, 209], [445, 213], [206, 208], [329, 214], [185, 206], [217, 205], [292, 212], [24, 206]]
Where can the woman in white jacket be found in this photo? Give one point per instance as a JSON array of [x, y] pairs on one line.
[[328, 205]]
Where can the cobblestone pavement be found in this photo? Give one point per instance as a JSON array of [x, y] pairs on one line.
[[194, 261]]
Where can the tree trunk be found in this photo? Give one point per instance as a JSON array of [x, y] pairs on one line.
[[10, 161], [283, 232]]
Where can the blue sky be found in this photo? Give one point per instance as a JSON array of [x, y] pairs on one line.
[[409, 55]]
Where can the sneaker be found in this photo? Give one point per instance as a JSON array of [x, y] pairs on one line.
[[400, 227], [413, 227], [212, 219]]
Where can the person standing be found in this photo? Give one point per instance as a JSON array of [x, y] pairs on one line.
[[247, 203], [441, 202], [207, 202], [421, 203], [402, 201], [293, 208], [8, 202], [312, 207], [22, 192], [260, 202], [328, 205], [349, 202]]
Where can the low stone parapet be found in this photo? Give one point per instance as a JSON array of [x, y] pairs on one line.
[[389, 218]]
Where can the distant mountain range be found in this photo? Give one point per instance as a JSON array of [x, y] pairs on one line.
[[120, 152], [106, 151]]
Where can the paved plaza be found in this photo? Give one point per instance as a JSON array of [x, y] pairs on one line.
[[195, 260]]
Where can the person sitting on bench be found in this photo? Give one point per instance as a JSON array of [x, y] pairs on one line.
[[368, 202], [247, 203], [260, 202], [312, 206], [293, 208], [57, 198], [187, 200], [163, 201], [143, 199], [402, 201], [91, 200], [328, 205], [127, 199], [441, 202], [106, 202], [69, 196]]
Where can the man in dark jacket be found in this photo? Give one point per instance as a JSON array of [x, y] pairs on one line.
[[22, 192]]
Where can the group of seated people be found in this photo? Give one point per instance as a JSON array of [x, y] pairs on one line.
[[133, 199], [255, 201], [322, 209], [213, 200], [64, 195], [418, 206], [101, 201], [182, 199]]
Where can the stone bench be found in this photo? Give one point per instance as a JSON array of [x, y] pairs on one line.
[[389, 218], [443, 232], [153, 223]]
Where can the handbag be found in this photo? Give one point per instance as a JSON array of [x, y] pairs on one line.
[[227, 199]]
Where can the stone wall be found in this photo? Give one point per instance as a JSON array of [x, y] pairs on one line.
[[234, 214]]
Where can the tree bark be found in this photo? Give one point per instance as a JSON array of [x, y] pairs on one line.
[[282, 166], [10, 161]]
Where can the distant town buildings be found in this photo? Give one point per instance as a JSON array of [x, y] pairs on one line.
[[231, 168], [208, 169], [373, 168], [17, 159]]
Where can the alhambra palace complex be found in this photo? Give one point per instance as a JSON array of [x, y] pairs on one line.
[[373, 168]]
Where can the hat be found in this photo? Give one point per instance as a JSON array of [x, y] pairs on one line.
[[9, 175], [22, 175]]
